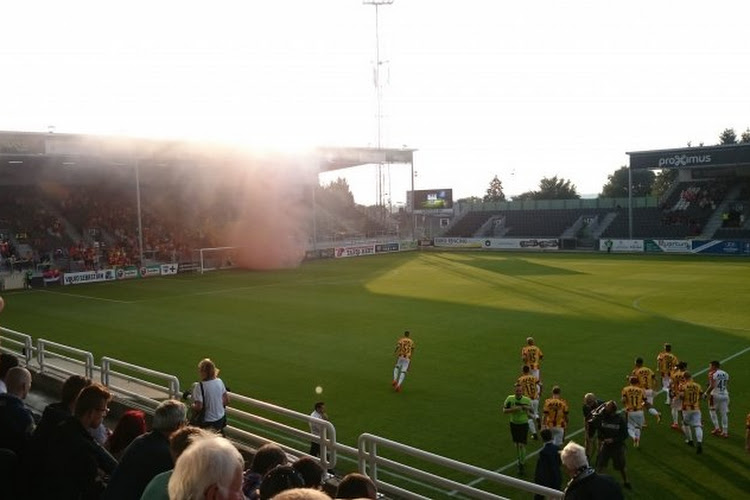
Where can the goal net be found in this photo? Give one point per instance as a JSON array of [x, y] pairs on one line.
[[212, 259]]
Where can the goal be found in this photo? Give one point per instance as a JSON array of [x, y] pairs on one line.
[[213, 259]]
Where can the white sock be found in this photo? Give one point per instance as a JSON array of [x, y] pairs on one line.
[[699, 434], [714, 418]]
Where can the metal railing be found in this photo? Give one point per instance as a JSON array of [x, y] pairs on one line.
[[146, 391], [370, 461], [17, 343], [47, 351], [326, 439]]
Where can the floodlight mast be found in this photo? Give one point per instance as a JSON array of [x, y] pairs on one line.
[[378, 93]]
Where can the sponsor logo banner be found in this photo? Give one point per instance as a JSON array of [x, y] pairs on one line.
[[89, 277], [622, 245], [127, 272], [386, 247], [723, 247], [354, 251], [150, 271], [668, 246], [458, 242], [169, 269]]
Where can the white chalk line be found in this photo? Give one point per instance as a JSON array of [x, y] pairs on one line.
[[88, 297]]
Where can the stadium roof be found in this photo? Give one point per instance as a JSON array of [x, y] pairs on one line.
[[723, 155], [54, 148]]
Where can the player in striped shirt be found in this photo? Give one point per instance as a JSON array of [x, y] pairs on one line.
[[634, 399], [647, 382], [691, 411], [675, 392], [665, 363], [556, 415], [532, 356], [532, 388], [403, 352]]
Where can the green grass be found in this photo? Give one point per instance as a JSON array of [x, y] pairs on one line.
[[278, 335]]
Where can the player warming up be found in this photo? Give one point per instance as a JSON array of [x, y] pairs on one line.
[[404, 351]]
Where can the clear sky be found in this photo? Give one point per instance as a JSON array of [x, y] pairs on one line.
[[523, 90]]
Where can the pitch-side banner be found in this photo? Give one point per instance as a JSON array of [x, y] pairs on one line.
[[167, 269], [622, 245], [667, 246], [500, 243], [458, 242], [722, 247], [354, 251], [89, 277]]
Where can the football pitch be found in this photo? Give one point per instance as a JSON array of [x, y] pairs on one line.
[[334, 324]]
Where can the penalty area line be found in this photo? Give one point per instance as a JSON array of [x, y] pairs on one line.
[[102, 299]]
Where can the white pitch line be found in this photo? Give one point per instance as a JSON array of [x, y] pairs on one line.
[[579, 431], [86, 297]]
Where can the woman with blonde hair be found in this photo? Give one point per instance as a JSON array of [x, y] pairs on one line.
[[210, 397]]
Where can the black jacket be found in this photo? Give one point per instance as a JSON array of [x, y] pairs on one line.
[[588, 485]]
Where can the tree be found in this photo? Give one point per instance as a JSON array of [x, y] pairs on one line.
[[745, 136], [556, 189], [528, 195], [617, 183], [470, 199], [336, 195], [495, 191], [664, 179], [728, 136]]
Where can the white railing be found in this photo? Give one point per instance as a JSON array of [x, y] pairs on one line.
[[327, 438], [16, 343], [370, 461], [145, 390], [48, 350]]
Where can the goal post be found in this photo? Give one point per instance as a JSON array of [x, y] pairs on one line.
[[215, 258]]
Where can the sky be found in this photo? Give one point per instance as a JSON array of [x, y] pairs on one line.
[[521, 90]]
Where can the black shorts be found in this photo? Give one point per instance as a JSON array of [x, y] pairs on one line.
[[614, 451], [519, 432]]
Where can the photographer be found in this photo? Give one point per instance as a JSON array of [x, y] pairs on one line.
[[612, 431]]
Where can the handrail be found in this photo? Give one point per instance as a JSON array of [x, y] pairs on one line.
[[369, 461], [21, 340], [170, 389], [43, 353], [327, 438]]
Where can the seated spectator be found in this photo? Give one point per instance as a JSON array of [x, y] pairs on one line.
[[278, 479], [211, 468], [148, 455], [16, 421], [266, 458], [53, 414], [74, 460], [7, 361], [356, 485], [157, 488], [132, 424], [302, 494], [311, 471]]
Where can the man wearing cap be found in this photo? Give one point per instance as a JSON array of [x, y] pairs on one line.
[[532, 356], [612, 431]]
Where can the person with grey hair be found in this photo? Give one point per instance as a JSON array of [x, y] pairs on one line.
[[16, 421], [148, 455], [210, 468], [7, 361], [585, 482]]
